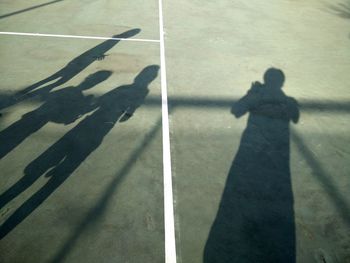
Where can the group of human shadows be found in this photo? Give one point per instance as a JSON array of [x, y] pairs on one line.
[[65, 106], [255, 219]]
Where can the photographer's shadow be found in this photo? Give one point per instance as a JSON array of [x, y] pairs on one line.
[[255, 219]]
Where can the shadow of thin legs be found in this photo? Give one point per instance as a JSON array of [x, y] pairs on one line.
[[29, 8], [99, 208]]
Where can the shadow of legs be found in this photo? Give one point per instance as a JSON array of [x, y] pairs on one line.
[[32, 172], [19, 187], [31, 204]]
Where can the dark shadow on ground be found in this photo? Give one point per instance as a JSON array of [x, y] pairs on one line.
[[62, 106], [64, 157], [341, 9], [306, 105], [29, 8], [255, 219], [73, 68], [97, 211], [175, 102], [341, 205]]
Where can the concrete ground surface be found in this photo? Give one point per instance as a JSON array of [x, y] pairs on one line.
[[81, 158]]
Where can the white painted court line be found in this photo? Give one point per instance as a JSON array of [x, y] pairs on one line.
[[169, 222], [78, 37]]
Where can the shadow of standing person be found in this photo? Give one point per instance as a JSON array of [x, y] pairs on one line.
[[255, 219], [61, 106], [73, 68], [117, 105]]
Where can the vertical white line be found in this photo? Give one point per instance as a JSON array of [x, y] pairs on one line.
[[169, 222]]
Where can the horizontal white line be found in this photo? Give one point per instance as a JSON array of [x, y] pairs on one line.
[[80, 37]]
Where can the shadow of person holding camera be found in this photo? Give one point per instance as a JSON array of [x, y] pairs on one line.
[[255, 219]]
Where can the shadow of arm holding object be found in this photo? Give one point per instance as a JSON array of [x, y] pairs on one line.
[[248, 101], [268, 102]]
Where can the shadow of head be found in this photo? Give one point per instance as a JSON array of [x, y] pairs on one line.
[[129, 33], [274, 78], [94, 79], [146, 76]]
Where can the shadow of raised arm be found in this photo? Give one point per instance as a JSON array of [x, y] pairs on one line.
[[247, 102]]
